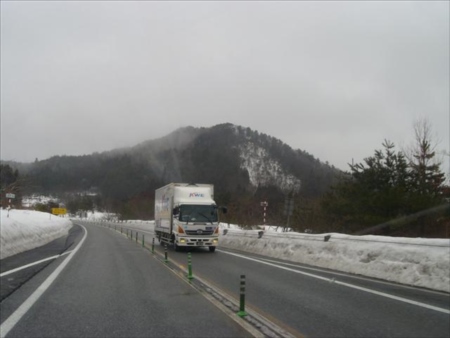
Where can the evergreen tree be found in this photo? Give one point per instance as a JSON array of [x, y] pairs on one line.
[[427, 178], [374, 191], [8, 176], [389, 185], [10, 183]]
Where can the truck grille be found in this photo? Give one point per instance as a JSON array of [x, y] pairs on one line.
[[199, 232]]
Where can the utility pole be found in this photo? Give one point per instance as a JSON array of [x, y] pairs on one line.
[[288, 208]]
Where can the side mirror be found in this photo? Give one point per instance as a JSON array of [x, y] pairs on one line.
[[176, 210], [224, 210]]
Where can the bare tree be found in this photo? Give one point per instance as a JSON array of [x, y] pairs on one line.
[[424, 162]]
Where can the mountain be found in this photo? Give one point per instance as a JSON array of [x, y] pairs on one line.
[[232, 156], [240, 162]]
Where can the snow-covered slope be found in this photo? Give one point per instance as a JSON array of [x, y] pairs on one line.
[[264, 170]]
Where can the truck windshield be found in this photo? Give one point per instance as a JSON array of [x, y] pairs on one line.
[[198, 213]]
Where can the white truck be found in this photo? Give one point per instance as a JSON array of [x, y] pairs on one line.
[[187, 216]]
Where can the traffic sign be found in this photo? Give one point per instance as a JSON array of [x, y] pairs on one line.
[[59, 211], [9, 195]]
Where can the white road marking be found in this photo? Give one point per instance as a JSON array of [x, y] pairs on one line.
[[6, 273], [405, 300], [347, 275], [12, 320]]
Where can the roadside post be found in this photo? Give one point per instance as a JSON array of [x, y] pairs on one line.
[[264, 205], [189, 267], [9, 196], [242, 312]]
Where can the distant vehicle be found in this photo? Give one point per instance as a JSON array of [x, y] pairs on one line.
[[187, 216]]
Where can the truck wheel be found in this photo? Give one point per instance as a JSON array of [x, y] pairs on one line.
[[175, 246], [212, 248]]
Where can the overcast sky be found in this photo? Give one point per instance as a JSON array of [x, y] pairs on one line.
[[332, 78]]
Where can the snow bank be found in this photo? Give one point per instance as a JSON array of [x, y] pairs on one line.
[[99, 216], [24, 230], [413, 261]]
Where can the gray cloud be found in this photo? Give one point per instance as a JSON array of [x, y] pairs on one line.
[[331, 78]]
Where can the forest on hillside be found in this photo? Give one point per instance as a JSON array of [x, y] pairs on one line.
[[385, 189]]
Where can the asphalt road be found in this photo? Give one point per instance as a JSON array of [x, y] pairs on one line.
[[321, 303], [114, 288], [317, 307]]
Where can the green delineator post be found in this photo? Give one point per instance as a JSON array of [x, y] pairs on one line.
[[165, 254], [242, 312], [153, 245], [189, 267], [143, 240]]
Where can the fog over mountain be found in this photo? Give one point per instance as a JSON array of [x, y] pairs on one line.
[[232, 157]]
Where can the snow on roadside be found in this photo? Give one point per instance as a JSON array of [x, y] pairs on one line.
[[25, 230], [412, 261]]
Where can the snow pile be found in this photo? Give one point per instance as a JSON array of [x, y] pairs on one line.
[[97, 215], [413, 261], [24, 230]]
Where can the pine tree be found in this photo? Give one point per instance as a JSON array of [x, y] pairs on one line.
[[374, 192], [10, 182], [426, 177], [389, 185]]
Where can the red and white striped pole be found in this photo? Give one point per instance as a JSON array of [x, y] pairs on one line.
[[264, 205]]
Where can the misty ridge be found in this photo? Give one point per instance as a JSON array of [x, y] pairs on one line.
[[240, 162], [231, 157]]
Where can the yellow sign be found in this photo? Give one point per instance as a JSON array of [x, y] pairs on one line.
[[59, 211]]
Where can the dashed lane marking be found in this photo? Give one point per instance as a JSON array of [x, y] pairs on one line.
[[6, 273]]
